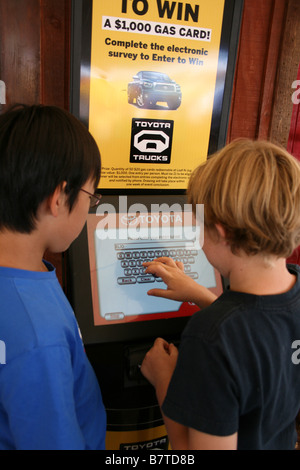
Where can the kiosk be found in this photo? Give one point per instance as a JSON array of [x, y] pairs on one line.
[[149, 146]]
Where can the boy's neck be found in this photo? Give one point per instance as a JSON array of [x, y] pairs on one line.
[[21, 251], [260, 276]]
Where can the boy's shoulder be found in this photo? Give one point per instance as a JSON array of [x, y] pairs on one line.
[[35, 311], [16, 272], [232, 309], [207, 322]]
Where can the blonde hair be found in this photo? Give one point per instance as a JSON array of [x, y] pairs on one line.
[[252, 188]]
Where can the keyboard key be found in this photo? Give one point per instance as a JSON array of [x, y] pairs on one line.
[[144, 279], [132, 263], [126, 280]]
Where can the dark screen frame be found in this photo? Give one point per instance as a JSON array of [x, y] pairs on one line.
[[79, 291]]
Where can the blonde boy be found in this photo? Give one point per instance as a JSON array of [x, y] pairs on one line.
[[233, 384]]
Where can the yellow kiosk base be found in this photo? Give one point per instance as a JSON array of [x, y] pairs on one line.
[[136, 429]]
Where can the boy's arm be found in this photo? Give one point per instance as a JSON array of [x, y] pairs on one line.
[[201, 441], [179, 285], [158, 367]]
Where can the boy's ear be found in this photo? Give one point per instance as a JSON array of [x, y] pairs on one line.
[[57, 199], [221, 232]]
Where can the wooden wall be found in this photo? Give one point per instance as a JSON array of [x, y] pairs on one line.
[[35, 59], [267, 65], [34, 51]]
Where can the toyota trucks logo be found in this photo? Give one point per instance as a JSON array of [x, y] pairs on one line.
[[151, 141]]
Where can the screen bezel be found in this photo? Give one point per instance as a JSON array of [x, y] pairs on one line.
[[80, 292]]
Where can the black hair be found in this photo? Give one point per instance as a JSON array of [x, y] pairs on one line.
[[41, 147]]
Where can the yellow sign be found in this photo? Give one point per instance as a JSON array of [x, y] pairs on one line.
[[152, 88]]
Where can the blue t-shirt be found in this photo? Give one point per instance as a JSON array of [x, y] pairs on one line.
[[49, 395]]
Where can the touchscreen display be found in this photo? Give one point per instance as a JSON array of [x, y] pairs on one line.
[[118, 279]]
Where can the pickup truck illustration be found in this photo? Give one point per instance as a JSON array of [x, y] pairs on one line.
[[149, 88]]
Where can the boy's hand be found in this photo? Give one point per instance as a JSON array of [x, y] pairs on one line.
[[158, 366], [180, 286]]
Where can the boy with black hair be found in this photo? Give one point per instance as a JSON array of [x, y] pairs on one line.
[[235, 383], [49, 170]]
